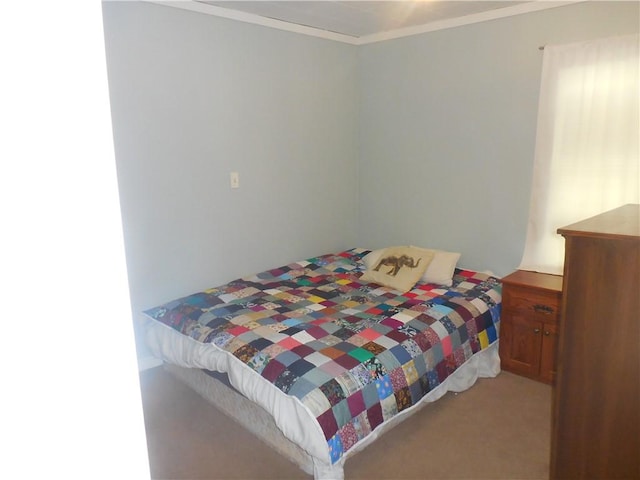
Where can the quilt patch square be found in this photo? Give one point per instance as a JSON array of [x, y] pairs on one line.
[[403, 398], [332, 352], [374, 348], [356, 404], [272, 370], [300, 367], [388, 361], [329, 424], [317, 358], [303, 350], [361, 354], [333, 368], [370, 395], [386, 342], [358, 340], [347, 361], [287, 357], [341, 413], [317, 376], [374, 415]]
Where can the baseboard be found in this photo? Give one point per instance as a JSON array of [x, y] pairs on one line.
[[145, 363]]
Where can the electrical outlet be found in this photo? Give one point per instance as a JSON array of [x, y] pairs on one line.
[[235, 180]]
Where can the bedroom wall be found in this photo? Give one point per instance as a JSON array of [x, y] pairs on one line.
[[447, 130], [426, 140], [195, 97]]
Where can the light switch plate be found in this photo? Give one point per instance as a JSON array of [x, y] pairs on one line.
[[235, 179]]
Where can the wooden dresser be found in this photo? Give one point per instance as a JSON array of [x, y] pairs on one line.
[[529, 323], [596, 398]]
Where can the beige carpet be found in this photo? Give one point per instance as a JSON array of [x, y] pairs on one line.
[[499, 429]]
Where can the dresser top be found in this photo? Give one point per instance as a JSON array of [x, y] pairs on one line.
[[622, 222], [543, 281]]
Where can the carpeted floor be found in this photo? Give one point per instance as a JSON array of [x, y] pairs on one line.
[[499, 429]]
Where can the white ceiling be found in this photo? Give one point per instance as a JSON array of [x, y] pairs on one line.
[[362, 21], [360, 18]]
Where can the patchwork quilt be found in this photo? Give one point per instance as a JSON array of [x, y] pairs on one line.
[[354, 353]]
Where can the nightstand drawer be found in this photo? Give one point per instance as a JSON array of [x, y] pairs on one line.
[[538, 304]]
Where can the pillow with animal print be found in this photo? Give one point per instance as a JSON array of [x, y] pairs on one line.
[[398, 267], [440, 271]]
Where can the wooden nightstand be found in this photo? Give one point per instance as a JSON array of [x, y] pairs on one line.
[[529, 324]]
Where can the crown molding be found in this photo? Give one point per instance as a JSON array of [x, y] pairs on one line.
[[519, 9], [195, 6]]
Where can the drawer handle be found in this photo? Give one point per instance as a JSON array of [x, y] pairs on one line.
[[547, 333], [536, 330], [547, 310]]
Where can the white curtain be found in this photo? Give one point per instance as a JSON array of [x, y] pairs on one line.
[[587, 147]]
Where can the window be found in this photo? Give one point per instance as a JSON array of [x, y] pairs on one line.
[[588, 143]]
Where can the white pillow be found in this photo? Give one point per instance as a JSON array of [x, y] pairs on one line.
[[371, 258], [440, 269]]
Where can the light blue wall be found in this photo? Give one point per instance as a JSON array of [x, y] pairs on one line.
[[447, 130], [195, 97], [426, 140]]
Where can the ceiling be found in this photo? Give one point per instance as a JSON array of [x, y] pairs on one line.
[[361, 18], [364, 21]]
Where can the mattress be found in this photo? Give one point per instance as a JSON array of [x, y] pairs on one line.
[[334, 360]]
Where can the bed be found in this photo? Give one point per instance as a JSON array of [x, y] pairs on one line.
[[322, 356]]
